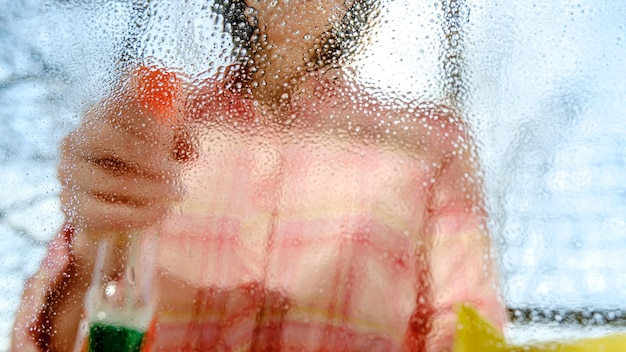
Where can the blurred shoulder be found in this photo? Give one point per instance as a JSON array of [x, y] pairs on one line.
[[422, 126], [438, 126]]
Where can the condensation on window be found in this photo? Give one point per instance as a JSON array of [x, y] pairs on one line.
[[298, 163]]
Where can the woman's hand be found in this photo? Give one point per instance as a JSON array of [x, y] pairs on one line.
[[119, 169], [119, 172]]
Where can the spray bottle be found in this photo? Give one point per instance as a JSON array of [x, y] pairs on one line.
[[121, 303]]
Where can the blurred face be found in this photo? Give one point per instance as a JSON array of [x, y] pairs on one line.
[[285, 21]]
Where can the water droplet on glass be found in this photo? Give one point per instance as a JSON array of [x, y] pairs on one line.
[[110, 288]]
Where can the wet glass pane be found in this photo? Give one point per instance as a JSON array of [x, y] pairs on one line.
[[310, 174]]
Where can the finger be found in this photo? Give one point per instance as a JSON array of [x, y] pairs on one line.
[[114, 180], [110, 148], [91, 177], [34, 296], [104, 191], [106, 214], [114, 195]]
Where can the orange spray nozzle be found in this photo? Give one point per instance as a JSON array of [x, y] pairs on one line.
[[157, 91]]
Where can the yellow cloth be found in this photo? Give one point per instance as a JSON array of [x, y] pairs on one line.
[[475, 334]]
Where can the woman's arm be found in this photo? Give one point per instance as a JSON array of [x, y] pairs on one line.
[[28, 333], [462, 266]]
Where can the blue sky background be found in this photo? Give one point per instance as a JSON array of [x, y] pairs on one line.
[[546, 82]]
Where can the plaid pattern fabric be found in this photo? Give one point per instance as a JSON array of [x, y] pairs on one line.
[[322, 244], [304, 277], [316, 243]]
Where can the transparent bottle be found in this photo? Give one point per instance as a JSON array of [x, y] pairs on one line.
[[121, 302]]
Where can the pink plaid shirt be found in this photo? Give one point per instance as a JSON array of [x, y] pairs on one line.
[[357, 227]]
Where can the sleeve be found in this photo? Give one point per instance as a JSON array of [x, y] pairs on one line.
[[462, 265], [28, 333]]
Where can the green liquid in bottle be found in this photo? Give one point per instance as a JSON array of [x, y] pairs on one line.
[[114, 338]]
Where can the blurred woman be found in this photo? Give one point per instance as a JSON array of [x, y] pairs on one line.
[[296, 211]]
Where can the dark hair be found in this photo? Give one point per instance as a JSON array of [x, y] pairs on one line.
[[340, 42], [236, 23], [343, 41]]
